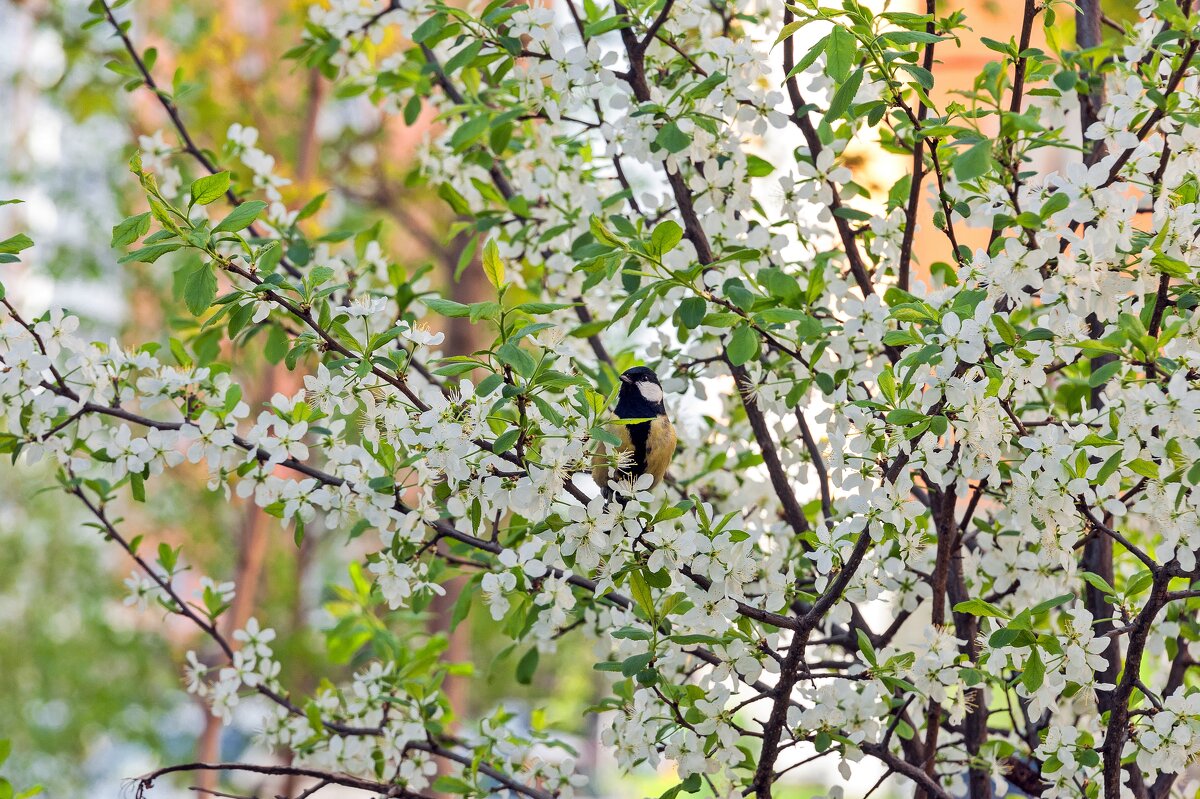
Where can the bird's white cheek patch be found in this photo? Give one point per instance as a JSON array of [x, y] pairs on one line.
[[651, 392]]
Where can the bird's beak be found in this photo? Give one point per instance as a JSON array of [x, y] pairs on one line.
[[626, 379]]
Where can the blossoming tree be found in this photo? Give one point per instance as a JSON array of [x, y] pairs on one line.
[[938, 516]]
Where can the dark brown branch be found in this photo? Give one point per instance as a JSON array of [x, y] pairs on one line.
[[799, 117], [1117, 729], [766, 443], [391, 6], [923, 780], [1133, 548], [585, 317], [146, 781], [652, 31], [918, 164], [814, 452]]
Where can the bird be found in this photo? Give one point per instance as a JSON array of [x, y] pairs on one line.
[[650, 443]]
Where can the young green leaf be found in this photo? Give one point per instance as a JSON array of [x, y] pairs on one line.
[[841, 53], [493, 267], [130, 230], [743, 345], [15, 244], [210, 188], [200, 289], [974, 161], [241, 217]]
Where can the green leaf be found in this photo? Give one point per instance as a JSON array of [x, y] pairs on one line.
[[632, 634], [640, 590], [841, 53], [210, 188], [904, 416], [200, 289], [922, 75], [462, 57], [504, 442], [450, 308], [148, 255], [980, 607], [1110, 467], [672, 139], [468, 131], [493, 267], [666, 235], [527, 667], [1055, 203], [938, 425], [743, 345], [1035, 671], [864, 646], [635, 663], [488, 384], [1139, 582], [277, 344], [241, 217], [130, 230], [429, 28], [758, 167], [520, 360], [15, 244], [810, 57], [1099, 583], [691, 312], [789, 29], [912, 37], [1050, 604], [603, 26], [311, 207], [447, 784], [1144, 467], [974, 161], [602, 234], [705, 87], [844, 96], [1104, 373], [269, 257], [1008, 333], [167, 557]]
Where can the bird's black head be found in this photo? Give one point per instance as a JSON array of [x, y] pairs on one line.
[[639, 374], [641, 394]]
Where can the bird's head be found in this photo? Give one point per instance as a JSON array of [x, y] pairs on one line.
[[640, 382]]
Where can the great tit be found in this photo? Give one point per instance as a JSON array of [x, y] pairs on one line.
[[646, 447]]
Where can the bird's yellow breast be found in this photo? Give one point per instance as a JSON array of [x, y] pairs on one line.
[[660, 446]]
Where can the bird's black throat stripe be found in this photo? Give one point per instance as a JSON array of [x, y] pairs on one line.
[[639, 435], [632, 405]]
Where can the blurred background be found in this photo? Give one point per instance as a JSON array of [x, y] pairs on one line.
[[90, 689]]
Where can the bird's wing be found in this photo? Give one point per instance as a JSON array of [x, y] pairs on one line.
[[660, 446], [600, 467]]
